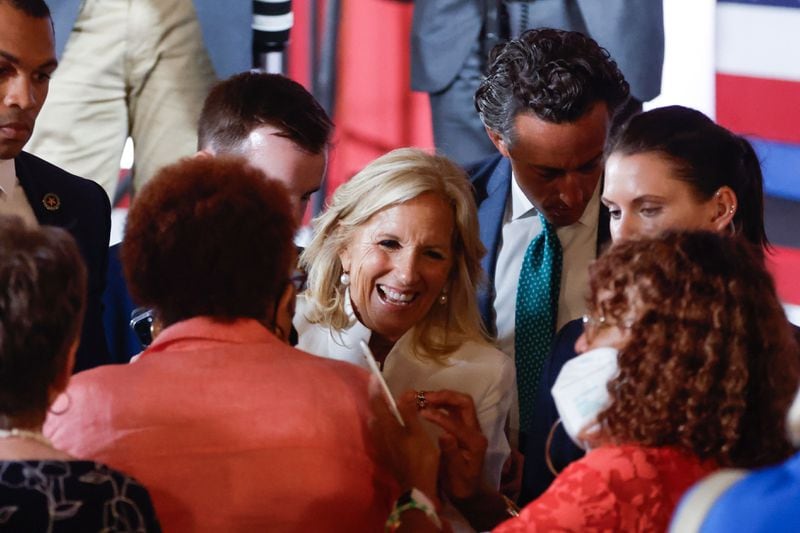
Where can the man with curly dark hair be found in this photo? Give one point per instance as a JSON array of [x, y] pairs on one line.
[[547, 103]]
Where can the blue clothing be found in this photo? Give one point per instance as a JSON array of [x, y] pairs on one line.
[[122, 340], [765, 500], [536, 476], [491, 179], [444, 32], [449, 50]]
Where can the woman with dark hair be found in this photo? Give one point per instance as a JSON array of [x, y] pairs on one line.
[[689, 365], [674, 168], [233, 429], [670, 168], [41, 312]]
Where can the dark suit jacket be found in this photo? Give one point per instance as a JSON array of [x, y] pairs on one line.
[[122, 340], [536, 476], [83, 209], [444, 31], [491, 179]]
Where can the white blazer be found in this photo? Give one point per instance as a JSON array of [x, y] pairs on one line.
[[475, 368]]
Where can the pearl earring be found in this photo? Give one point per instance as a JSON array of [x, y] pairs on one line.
[[344, 279], [443, 298]]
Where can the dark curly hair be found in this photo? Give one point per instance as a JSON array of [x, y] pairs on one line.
[[706, 156], [41, 312], [710, 365], [246, 101], [209, 236], [556, 75]]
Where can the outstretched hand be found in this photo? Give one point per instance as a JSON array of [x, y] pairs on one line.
[[463, 449]]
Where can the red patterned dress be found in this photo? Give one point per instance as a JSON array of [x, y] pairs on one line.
[[613, 488]]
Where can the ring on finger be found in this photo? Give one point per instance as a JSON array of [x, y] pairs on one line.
[[421, 401]]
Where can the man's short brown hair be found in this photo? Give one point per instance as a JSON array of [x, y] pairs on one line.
[[246, 101]]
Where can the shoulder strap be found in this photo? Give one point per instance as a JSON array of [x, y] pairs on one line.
[[692, 511]]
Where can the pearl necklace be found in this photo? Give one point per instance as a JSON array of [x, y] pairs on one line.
[[25, 434]]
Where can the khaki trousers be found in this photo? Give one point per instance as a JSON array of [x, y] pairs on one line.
[[133, 68]]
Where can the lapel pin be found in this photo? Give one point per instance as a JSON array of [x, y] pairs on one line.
[[51, 201]]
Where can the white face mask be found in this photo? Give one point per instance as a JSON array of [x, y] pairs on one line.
[[580, 391], [793, 421]]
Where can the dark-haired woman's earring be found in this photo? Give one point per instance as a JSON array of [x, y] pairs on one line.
[[443, 297], [344, 279], [733, 209]]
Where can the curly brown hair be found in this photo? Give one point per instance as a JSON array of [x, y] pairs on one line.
[[209, 236], [710, 364]]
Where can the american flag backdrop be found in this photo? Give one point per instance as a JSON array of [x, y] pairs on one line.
[[758, 95]]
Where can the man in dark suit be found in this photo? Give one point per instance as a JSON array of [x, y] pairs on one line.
[[547, 104], [34, 190], [451, 38]]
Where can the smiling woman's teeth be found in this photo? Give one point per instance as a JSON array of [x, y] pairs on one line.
[[394, 296]]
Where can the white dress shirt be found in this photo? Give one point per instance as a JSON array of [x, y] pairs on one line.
[[521, 225], [12, 196], [579, 247], [475, 368]]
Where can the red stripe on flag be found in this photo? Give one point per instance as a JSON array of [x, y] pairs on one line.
[[784, 265], [758, 106]]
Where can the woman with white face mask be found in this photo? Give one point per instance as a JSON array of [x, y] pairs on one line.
[[703, 367], [670, 168]]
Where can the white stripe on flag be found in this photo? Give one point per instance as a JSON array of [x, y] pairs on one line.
[[792, 313], [758, 41]]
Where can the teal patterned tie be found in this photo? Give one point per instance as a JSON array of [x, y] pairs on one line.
[[535, 318]]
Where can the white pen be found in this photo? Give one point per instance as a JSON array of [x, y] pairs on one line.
[[373, 366]]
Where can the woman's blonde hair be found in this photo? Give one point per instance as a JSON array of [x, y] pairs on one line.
[[390, 180]]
